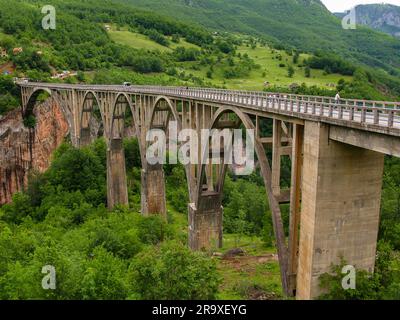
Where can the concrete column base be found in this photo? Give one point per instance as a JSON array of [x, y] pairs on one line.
[[117, 191], [341, 196], [85, 138], [205, 225], [153, 191]]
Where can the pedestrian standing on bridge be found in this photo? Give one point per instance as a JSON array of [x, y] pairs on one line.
[[337, 98]]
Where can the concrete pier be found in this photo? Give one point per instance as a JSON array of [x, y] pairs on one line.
[[85, 138], [205, 223], [153, 191], [341, 195], [117, 190]]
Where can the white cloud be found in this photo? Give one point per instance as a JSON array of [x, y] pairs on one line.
[[342, 5]]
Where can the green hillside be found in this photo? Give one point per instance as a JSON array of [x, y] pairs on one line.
[[148, 47], [304, 24], [61, 219], [140, 41], [268, 61]]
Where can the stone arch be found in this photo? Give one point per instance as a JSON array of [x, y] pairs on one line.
[[87, 117], [153, 179], [117, 191], [217, 116], [172, 110], [31, 102], [169, 105], [267, 178], [121, 105]]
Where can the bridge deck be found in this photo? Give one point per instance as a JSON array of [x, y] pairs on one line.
[[376, 116]]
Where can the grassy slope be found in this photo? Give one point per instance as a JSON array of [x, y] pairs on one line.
[[261, 55], [140, 41], [274, 74], [253, 276]]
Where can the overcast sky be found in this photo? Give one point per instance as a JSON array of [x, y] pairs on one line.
[[343, 5]]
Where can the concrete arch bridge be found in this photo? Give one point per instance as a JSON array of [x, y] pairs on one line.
[[336, 150]]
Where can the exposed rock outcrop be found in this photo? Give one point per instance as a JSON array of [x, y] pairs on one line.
[[22, 149], [383, 17]]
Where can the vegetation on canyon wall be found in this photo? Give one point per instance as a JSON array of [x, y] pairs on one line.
[[147, 48], [61, 219]]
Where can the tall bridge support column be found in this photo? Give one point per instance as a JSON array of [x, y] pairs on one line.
[[153, 191], [85, 138], [205, 223], [117, 189], [341, 192]]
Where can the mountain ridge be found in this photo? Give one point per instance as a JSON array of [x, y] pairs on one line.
[[382, 17], [303, 24]]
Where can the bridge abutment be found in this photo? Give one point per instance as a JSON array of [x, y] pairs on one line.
[[341, 194], [205, 223], [117, 189], [153, 191]]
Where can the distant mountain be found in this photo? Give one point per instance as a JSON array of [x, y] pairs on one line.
[[304, 24], [383, 17]]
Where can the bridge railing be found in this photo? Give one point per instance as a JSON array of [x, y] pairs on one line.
[[352, 102], [379, 113], [203, 92], [364, 112], [200, 92]]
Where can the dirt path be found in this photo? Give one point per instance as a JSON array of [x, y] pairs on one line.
[[248, 263]]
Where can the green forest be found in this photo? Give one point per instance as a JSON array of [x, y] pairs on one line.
[[193, 54], [61, 219]]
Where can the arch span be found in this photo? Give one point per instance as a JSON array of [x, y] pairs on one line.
[[266, 173], [153, 180], [32, 100], [87, 117], [170, 107]]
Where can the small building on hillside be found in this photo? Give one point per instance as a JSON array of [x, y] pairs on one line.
[[17, 50], [3, 53], [107, 27], [65, 74]]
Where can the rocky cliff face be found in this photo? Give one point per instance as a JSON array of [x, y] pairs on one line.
[[383, 17], [22, 149]]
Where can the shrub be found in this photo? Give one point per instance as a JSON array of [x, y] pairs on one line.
[[104, 277], [20, 208], [172, 272], [182, 54], [77, 170], [367, 285]]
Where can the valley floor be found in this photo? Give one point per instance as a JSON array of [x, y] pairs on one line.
[[253, 275]]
